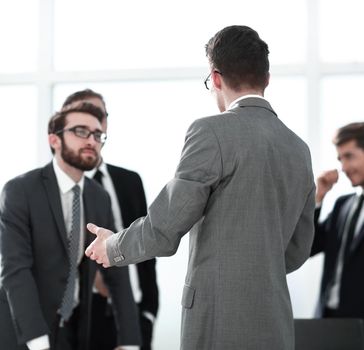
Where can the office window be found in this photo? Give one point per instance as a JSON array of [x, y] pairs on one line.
[[18, 141], [19, 23], [341, 104], [341, 30], [287, 96], [141, 34], [148, 59], [147, 123]]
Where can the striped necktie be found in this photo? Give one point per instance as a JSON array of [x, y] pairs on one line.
[[73, 249]]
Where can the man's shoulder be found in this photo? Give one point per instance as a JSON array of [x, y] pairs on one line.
[[28, 177], [206, 123], [119, 171], [342, 199]]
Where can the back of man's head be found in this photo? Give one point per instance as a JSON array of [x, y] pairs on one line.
[[241, 57], [84, 95], [350, 132]]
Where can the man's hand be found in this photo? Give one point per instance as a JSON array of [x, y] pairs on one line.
[[100, 285], [97, 249], [324, 183]]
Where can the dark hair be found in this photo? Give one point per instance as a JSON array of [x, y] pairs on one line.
[[84, 95], [58, 120], [241, 57], [350, 132]]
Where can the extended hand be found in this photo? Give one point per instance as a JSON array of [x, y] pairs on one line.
[[97, 249], [325, 182]]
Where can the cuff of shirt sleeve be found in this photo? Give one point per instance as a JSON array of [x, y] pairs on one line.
[[113, 252], [148, 315], [39, 343]]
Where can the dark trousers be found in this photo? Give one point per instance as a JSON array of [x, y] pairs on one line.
[[146, 327], [332, 313], [103, 329], [71, 335]]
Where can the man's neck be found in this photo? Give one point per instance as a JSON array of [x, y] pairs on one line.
[[234, 95], [74, 173]]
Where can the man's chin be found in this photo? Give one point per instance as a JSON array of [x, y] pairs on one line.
[[88, 164], [356, 183]]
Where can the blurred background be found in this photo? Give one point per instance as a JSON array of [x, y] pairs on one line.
[[147, 59]]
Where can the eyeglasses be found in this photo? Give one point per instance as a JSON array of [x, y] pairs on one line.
[[84, 133], [207, 81]]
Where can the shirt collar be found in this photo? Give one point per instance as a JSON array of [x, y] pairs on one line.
[[65, 183], [235, 102], [102, 167]]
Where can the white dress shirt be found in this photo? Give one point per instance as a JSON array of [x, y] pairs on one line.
[[65, 184]]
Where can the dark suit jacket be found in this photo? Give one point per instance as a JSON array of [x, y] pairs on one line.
[[34, 258], [328, 236], [129, 190]]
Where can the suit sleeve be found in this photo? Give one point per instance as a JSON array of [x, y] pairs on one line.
[[299, 247], [16, 264], [320, 229], [179, 205]]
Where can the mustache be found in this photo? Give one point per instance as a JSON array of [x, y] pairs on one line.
[[88, 149]]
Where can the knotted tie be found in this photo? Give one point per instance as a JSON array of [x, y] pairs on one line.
[[352, 226], [74, 245], [98, 176]]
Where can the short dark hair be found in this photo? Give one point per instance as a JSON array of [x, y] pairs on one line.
[[84, 95], [350, 132], [58, 120], [241, 57]]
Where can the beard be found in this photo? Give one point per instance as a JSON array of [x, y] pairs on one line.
[[76, 160]]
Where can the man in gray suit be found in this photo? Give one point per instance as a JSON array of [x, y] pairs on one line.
[[244, 189]]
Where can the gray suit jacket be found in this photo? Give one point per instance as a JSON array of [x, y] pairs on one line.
[[244, 189], [34, 261]]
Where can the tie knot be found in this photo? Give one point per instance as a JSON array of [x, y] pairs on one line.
[[76, 190], [98, 176]]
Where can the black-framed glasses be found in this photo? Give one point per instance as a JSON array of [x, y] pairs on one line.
[[84, 133], [207, 81]]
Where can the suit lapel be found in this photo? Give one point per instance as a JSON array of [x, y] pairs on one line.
[[52, 190], [357, 239], [343, 216], [342, 219], [119, 190], [90, 210]]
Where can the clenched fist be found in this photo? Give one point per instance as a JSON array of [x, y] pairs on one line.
[[324, 183]]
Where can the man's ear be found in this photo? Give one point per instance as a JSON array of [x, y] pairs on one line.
[[216, 79], [54, 141], [267, 80]]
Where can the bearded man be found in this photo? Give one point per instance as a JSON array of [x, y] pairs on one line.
[[45, 281]]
